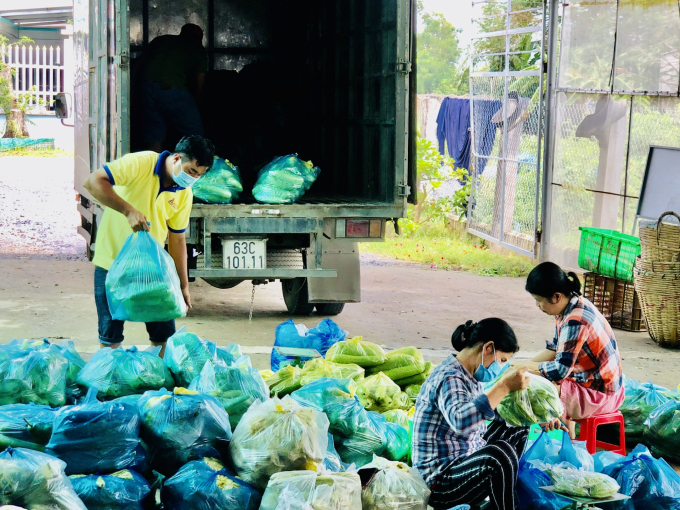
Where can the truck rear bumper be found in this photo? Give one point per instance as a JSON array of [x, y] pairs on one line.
[[274, 274]]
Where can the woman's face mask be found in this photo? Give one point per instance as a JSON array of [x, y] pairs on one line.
[[484, 374], [182, 178]]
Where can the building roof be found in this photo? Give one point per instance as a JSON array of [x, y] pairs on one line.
[[29, 14]]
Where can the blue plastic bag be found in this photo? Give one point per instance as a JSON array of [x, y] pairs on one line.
[[640, 400], [97, 437], [35, 481], [284, 180], [122, 490], [288, 334], [529, 494], [604, 459], [39, 377], [26, 426], [182, 426], [67, 349], [369, 438], [332, 461], [206, 485], [142, 284], [551, 451], [324, 392]]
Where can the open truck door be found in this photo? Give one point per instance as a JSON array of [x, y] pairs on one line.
[[101, 46]]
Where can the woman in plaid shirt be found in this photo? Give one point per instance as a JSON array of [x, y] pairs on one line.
[[461, 459], [583, 357]]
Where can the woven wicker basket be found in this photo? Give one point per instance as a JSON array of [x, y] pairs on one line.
[[660, 242], [658, 286]]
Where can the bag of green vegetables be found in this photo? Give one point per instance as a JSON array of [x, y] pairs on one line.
[[539, 403]]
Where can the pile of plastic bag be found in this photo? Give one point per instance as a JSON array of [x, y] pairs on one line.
[[662, 431], [142, 284], [67, 349], [321, 338], [26, 426], [235, 387], [284, 180], [539, 403], [356, 351], [97, 437], [379, 393], [181, 426], [122, 490], [640, 400], [186, 354], [309, 489], [394, 485], [206, 484], [278, 435], [401, 364], [120, 372], [221, 185], [33, 376], [35, 481]]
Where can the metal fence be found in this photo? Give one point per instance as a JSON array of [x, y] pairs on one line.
[[38, 73]]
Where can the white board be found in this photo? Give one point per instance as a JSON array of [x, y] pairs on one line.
[[661, 183]]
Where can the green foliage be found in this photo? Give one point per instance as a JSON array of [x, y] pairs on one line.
[[8, 99]]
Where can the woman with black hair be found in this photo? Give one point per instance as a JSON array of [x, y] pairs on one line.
[[461, 459], [583, 357]]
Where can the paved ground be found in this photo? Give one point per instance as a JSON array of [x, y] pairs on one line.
[[43, 295]]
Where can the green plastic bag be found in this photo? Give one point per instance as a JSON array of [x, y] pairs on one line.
[[640, 400], [358, 352], [142, 284], [221, 185], [284, 180], [67, 349], [39, 377], [400, 364], [662, 431], [121, 372], [539, 403]]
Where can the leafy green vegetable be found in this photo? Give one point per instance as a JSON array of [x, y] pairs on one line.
[[640, 401], [285, 381], [418, 378], [357, 351], [379, 393], [662, 431], [38, 377], [413, 391], [539, 403], [575, 482]]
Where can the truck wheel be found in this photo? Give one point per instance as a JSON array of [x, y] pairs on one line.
[[330, 308], [296, 296]]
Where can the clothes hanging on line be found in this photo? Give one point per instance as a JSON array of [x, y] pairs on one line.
[[453, 130], [485, 129]]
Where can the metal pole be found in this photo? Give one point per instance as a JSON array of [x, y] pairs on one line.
[[551, 77], [541, 113], [503, 169]]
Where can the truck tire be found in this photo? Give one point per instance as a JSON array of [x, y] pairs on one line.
[[296, 296], [330, 308]]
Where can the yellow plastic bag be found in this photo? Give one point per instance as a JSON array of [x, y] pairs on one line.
[[379, 393], [418, 378], [357, 351], [400, 364], [285, 381], [318, 368]]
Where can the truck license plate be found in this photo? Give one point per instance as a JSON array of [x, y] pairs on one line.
[[247, 254]]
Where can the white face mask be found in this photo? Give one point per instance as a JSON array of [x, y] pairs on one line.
[[182, 178]]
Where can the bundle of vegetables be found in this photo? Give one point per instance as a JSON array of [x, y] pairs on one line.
[[362, 436], [379, 393], [321, 338], [400, 364], [35, 481], [418, 378], [221, 185], [317, 368], [122, 490], [285, 381], [67, 349], [320, 491], [539, 403], [576, 482], [662, 431], [206, 484], [356, 351], [186, 354], [284, 180], [395, 486], [120, 372], [640, 400], [97, 437], [236, 387], [26, 426], [412, 392], [39, 377], [278, 435], [142, 284], [181, 426]]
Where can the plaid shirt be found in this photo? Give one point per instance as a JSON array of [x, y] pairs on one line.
[[450, 418], [587, 351]]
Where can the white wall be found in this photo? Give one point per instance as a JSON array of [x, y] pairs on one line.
[[48, 127]]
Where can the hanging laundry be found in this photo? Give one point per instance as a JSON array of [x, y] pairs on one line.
[[485, 129], [453, 128]]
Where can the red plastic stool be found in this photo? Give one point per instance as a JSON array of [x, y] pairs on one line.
[[589, 433]]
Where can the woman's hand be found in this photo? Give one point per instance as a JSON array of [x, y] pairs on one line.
[[515, 379], [554, 424]]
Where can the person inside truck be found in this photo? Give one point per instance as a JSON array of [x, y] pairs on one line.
[[173, 69], [583, 358], [462, 459], [152, 192]]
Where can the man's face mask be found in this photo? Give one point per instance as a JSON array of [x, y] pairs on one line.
[[182, 178]]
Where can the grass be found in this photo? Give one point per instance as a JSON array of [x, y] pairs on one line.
[[439, 248], [37, 153]]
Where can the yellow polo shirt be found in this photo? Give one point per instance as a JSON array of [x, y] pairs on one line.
[[136, 177]]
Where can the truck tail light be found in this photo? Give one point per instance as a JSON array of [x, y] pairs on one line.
[[359, 229]]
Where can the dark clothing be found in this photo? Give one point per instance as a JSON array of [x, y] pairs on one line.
[[453, 127], [489, 472], [485, 130], [111, 331], [170, 60], [172, 107]]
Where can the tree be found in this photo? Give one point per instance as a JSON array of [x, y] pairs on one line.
[[12, 104], [439, 54]]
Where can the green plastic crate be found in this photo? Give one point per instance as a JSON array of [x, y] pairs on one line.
[[608, 252]]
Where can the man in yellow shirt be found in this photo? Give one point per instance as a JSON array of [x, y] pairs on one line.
[[152, 192]]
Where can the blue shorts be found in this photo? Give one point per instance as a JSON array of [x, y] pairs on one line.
[[111, 331], [175, 107]]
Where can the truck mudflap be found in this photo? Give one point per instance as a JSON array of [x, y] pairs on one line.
[[343, 257]]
